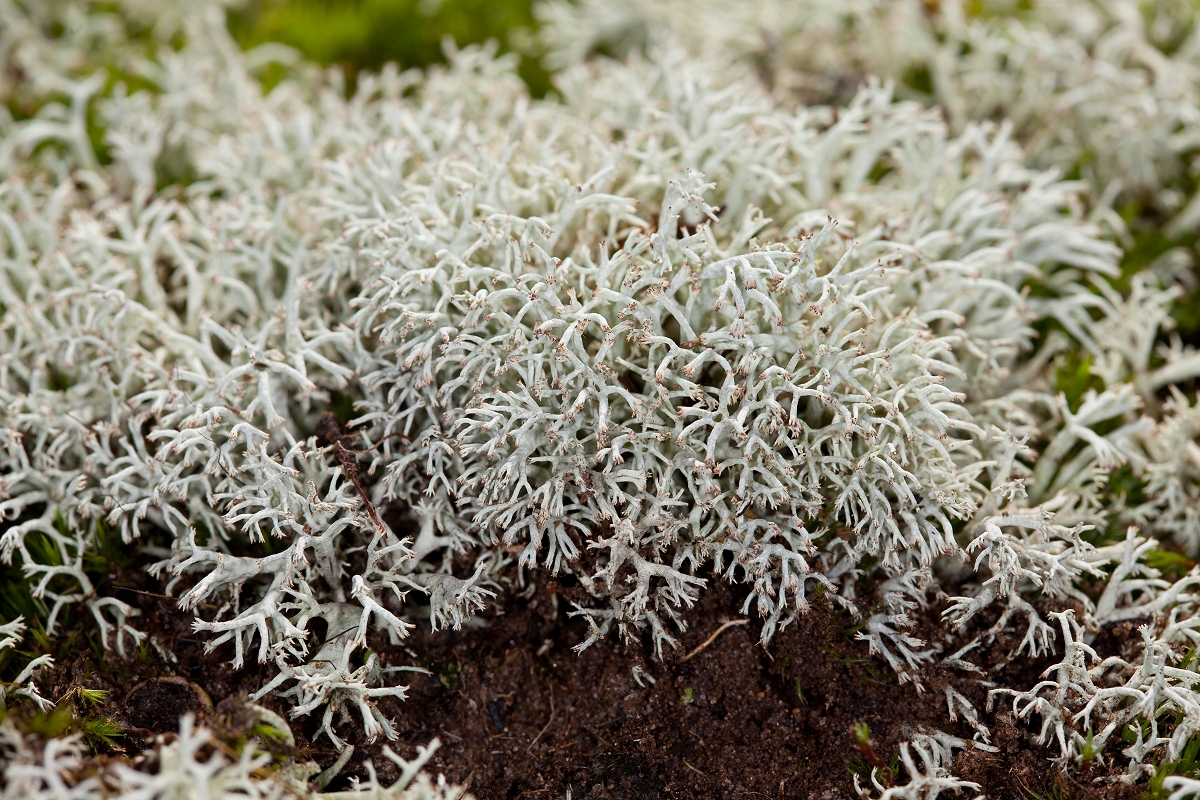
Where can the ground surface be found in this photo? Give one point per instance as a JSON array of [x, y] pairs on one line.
[[520, 714]]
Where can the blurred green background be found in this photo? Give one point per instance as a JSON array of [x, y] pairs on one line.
[[366, 34]]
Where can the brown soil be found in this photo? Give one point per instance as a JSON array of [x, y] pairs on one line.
[[519, 714], [158, 704]]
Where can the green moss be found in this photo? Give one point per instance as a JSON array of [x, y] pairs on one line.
[[74, 714], [1148, 242], [101, 732], [1057, 791], [987, 9], [342, 405], [108, 552], [1073, 378], [53, 723], [1127, 486], [366, 34], [59, 381], [1172, 565], [106, 559], [919, 79], [1187, 765], [1186, 314]]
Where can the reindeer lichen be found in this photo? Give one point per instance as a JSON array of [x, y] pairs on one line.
[[675, 324]]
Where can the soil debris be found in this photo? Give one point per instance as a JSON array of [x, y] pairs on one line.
[[521, 714], [159, 703]]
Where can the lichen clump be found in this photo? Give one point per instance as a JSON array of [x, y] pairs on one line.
[[317, 351]]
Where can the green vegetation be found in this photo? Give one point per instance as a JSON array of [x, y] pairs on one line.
[[867, 760], [1187, 765], [74, 713], [366, 34]]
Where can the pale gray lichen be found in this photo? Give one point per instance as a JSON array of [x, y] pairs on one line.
[[660, 330], [190, 767], [1107, 88]]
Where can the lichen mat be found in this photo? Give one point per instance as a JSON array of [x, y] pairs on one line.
[[688, 320]]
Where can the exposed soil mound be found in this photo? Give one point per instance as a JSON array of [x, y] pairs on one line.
[[520, 714]]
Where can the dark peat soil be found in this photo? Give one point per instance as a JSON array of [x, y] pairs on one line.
[[520, 714]]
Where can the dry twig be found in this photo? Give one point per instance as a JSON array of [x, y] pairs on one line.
[[712, 638]]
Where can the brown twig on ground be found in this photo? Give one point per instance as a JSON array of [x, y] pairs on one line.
[[329, 430], [466, 784], [731, 623], [548, 724]]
